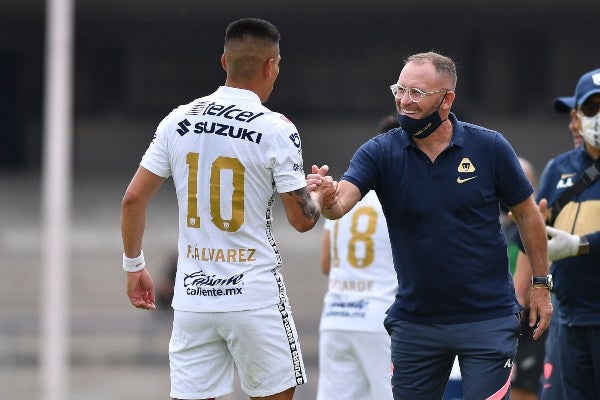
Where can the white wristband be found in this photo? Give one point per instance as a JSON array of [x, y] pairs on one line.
[[134, 264]]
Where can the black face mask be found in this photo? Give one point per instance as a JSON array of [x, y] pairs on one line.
[[421, 128]]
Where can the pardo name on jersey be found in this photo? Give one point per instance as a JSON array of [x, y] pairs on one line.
[[221, 255], [350, 285]]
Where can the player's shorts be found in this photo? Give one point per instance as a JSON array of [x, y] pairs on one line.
[[262, 343], [354, 365], [529, 362], [423, 355]]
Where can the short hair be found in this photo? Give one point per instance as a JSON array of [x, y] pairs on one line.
[[252, 27], [248, 43], [443, 64]]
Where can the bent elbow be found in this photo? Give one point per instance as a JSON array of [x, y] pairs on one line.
[[303, 224], [131, 199]]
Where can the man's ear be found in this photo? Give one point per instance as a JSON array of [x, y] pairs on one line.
[[268, 67], [449, 98], [224, 62]]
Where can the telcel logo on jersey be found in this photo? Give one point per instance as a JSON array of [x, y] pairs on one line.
[[230, 112]]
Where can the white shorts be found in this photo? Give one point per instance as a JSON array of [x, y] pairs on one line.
[[263, 344], [354, 365]]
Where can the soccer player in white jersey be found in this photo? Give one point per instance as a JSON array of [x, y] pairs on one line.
[[228, 156], [354, 348]]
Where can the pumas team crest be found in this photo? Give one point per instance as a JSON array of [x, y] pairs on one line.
[[466, 166]]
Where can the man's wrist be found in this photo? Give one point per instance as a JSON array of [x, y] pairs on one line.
[[540, 286], [134, 264], [584, 246], [542, 282]]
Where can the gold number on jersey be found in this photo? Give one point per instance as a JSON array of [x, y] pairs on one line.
[[237, 200], [365, 236], [336, 257], [193, 220]]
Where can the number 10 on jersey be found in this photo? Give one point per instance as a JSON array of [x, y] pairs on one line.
[[237, 195]]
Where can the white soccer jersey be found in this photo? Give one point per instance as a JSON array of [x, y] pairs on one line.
[[362, 279], [228, 155]]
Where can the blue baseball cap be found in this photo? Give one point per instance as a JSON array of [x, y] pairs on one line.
[[564, 104], [588, 85]]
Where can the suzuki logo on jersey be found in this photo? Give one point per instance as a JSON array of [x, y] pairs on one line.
[[228, 130], [466, 166], [295, 138], [183, 127], [565, 181]]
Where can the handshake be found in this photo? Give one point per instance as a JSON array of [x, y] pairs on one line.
[[319, 184]]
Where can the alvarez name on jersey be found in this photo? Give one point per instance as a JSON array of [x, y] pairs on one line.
[[228, 155]]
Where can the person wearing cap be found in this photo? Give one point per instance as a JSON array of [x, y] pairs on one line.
[[567, 105], [574, 247], [550, 387]]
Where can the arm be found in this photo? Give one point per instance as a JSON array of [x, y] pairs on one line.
[[302, 208], [533, 234], [334, 204], [140, 191], [522, 278], [325, 252], [347, 197]]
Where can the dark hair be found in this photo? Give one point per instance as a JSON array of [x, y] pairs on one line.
[[258, 28]]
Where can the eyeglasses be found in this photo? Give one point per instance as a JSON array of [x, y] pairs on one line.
[[589, 108], [414, 94]]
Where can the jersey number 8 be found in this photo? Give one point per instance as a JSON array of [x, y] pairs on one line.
[[364, 236]]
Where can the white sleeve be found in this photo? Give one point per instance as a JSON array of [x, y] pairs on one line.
[[286, 159], [156, 158]]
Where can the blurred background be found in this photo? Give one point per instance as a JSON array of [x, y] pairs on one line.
[[136, 60]]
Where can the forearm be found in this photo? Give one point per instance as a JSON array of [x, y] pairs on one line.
[[522, 279], [334, 212], [533, 235], [133, 224], [347, 197]]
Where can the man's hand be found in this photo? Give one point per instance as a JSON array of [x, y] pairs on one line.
[[323, 186], [140, 289], [540, 306], [315, 178], [562, 244]]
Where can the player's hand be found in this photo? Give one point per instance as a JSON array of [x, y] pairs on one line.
[[562, 244], [140, 289], [540, 310], [315, 178]]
